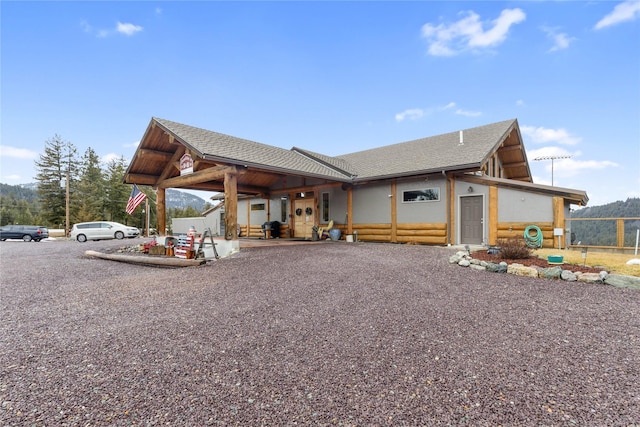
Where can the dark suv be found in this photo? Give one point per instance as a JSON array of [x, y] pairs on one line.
[[24, 232]]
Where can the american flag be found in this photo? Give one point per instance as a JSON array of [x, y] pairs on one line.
[[135, 199]]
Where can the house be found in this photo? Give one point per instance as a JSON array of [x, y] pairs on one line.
[[472, 186], [211, 219]]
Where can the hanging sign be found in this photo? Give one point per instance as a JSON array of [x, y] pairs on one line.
[[186, 164]]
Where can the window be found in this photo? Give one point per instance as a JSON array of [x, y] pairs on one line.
[[424, 195], [325, 207], [284, 202]]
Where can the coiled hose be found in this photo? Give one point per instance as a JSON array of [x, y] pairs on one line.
[[533, 241]]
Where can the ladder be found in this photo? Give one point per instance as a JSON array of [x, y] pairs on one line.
[[201, 245]]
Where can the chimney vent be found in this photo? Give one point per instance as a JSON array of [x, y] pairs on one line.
[[461, 138]]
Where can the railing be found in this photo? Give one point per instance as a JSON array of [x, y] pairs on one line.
[[604, 233]]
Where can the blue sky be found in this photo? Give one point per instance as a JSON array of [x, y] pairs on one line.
[[332, 77]]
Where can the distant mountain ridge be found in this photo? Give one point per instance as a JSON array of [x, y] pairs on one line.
[[619, 209], [182, 200], [173, 198]]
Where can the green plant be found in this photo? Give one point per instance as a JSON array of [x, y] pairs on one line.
[[514, 248]]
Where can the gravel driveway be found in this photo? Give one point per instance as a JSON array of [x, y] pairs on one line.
[[327, 334]]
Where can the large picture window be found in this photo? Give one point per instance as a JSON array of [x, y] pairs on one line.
[[424, 195]]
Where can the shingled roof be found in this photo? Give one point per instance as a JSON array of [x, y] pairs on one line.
[[436, 153], [262, 165], [220, 147]]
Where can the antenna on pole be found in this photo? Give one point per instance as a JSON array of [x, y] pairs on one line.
[[552, 158]]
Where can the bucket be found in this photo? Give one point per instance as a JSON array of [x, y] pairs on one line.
[[349, 238]]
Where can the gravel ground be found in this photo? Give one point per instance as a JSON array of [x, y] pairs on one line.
[[328, 334]]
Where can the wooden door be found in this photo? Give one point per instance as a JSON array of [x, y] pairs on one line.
[[304, 222], [471, 219]]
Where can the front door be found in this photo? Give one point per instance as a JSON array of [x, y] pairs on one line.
[[471, 220], [304, 218]]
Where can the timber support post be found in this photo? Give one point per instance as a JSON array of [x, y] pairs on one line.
[[231, 205]]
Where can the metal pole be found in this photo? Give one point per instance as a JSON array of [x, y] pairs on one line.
[[637, 237], [66, 228], [147, 217]]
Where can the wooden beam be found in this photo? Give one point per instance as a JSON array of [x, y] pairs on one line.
[[219, 186], [136, 178], [154, 155], [230, 204], [558, 214], [171, 164], [516, 147], [513, 165], [161, 211], [493, 215], [211, 174]]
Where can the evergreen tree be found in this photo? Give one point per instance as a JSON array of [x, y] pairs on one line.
[[90, 189], [18, 205], [117, 193], [58, 161]]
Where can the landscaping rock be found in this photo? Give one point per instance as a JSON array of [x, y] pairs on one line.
[[464, 263], [521, 270], [568, 275], [622, 281], [478, 267], [497, 268], [551, 272], [590, 278]]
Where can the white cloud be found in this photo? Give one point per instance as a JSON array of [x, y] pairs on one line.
[[560, 40], [85, 26], [628, 10], [109, 157], [568, 166], [128, 29], [17, 153], [545, 135], [12, 178], [461, 112], [132, 145], [417, 113], [411, 114], [469, 33], [520, 103]]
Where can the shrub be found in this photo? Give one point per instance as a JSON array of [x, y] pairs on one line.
[[514, 248]]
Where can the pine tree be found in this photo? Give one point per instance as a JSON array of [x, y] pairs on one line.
[[58, 161], [117, 193], [90, 189]]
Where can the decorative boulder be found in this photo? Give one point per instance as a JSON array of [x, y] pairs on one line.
[[551, 272]]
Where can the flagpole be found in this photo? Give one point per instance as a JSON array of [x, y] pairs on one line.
[[147, 211]]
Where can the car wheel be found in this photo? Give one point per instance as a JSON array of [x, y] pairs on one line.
[[27, 238], [81, 238], [119, 235]]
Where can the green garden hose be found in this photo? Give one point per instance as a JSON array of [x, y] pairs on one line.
[[533, 241]]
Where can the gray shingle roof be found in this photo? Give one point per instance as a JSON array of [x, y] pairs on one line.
[[218, 146], [441, 152]]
